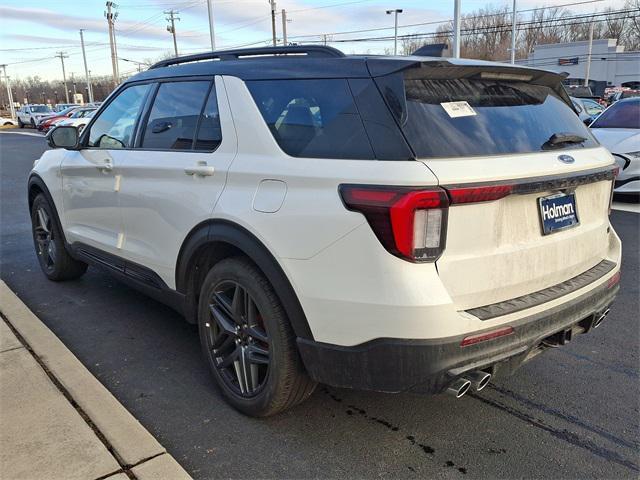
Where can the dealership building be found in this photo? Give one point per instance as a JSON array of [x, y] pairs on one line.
[[611, 66]]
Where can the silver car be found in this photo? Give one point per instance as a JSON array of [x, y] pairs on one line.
[[618, 129]]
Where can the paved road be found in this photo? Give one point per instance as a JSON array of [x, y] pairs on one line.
[[572, 412]]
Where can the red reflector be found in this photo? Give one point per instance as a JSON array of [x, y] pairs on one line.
[[614, 280], [478, 194], [483, 337]]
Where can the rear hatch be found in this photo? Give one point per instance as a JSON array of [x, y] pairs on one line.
[[535, 184]]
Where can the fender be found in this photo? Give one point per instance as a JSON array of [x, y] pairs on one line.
[[36, 180], [225, 232]]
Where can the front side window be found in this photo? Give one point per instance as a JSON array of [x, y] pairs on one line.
[[174, 116], [592, 107], [622, 114], [114, 127], [453, 117], [39, 109], [312, 118]]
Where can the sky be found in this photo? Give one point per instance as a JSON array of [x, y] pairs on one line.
[[34, 31]]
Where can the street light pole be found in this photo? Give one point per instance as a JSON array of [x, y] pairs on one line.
[[513, 33], [212, 32], [273, 21], [456, 29], [395, 26], [9, 93], [86, 69]]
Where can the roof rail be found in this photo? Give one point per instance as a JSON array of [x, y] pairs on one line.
[[308, 50]]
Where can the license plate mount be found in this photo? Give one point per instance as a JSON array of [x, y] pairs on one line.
[[558, 212]]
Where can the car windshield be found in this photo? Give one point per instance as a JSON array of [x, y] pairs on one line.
[[67, 111], [81, 113], [451, 117], [39, 109], [622, 114]]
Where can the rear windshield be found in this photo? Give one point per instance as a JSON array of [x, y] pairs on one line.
[[471, 117], [620, 115]]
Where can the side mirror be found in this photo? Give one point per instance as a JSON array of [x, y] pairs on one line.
[[65, 136]]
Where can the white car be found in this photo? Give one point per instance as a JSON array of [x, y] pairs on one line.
[[618, 129], [382, 223], [32, 114], [5, 121], [78, 119]]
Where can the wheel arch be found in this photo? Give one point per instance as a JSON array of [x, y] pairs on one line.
[[214, 240], [36, 186]]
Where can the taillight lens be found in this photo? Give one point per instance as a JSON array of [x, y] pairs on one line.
[[410, 223], [486, 193]]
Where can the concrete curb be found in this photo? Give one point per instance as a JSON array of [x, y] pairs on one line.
[[130, 442]]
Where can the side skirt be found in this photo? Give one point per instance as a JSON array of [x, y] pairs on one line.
[[132, 274]]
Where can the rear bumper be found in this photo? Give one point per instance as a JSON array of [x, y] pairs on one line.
[[429, 366]]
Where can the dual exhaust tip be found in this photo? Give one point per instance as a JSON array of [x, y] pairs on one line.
[[462, 385], [601, 318]]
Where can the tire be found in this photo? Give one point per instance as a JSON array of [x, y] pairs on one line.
[[33, 123], [237, 339], [20, 124], [54, 260]]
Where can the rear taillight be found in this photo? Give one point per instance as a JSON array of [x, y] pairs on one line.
[[485, 193], [616, 172], [410, 223]]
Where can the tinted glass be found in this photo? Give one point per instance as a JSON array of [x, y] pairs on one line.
[[622, 114], [209, 133], [174, 116], [312, 118], [499, 117], [39, 109], [114, 126]]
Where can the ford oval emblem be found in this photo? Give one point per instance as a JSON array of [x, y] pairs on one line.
[[566, 158]]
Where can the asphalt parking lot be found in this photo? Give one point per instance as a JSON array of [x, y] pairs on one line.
[[570, 413]]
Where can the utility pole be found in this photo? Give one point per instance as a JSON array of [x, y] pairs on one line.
[[514, 20], [9, 92], [62, 56], [456, 29], [111, 18], [86, 69], [395, 26], [284, 27], [273, 20], [73, 84], [172, 28], [212, 31], [588, 68]]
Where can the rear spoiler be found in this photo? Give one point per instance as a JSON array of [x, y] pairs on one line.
[[442, 68]]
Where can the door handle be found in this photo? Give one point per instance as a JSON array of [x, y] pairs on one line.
[[199, 171], [106, 167]]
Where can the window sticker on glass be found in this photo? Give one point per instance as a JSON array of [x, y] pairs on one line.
[[458, 109]]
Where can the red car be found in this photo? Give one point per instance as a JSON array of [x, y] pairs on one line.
[[46, 123]]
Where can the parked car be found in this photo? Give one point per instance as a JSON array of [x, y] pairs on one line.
[[64, 106], [46, 122], [79, 119], [380, 223], [32, 114], [7, 121], [587, 109], [624, 94], [618, 129]]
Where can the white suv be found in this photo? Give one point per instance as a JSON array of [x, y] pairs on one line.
[[384, 223], [32, 114]]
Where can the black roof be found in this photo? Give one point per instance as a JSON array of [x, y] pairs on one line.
[[297, 62]]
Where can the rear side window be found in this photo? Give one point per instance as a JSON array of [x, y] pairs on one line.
[[312, 118], [174, 117], [471, 117]]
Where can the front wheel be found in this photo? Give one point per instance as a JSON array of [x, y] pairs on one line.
[[20, 124], [55, 261], [248, 341]]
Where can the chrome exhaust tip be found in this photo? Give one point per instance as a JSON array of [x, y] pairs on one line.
[[600, 319], [459, 387], [479, 379]]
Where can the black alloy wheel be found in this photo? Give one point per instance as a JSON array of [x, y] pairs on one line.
[[238, 339], [248, 341], [43, 233]]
